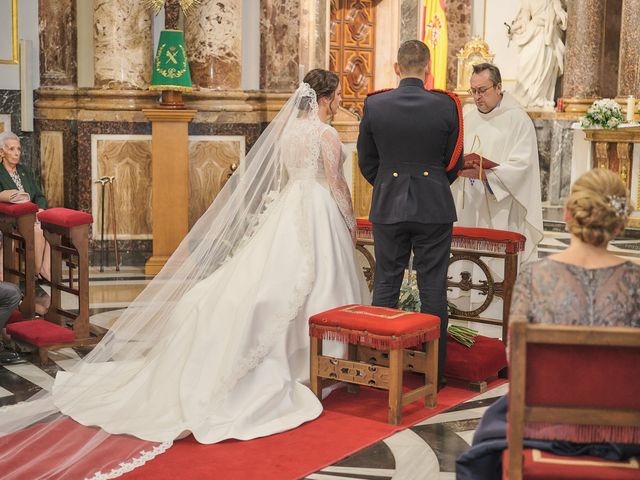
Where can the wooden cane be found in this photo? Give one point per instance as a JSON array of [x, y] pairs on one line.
[[113, 222]]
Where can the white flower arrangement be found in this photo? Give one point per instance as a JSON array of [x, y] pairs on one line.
[[605, 113]]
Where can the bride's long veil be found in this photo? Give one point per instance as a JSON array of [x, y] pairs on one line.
[[36, 440]]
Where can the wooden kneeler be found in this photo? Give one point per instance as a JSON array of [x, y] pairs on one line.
[[378, 339], [16, 224], [53, 333]]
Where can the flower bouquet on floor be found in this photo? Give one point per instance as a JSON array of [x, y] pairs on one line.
[[605, 113], [410, 301]]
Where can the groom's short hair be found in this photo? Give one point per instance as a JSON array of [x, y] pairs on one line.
[[413, 57]]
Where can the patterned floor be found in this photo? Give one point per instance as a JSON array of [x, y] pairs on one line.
[[425, 451]]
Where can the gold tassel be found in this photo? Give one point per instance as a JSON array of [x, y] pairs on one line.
[[155, 5], [187, 5]]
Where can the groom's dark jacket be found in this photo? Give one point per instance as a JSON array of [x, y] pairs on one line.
[[410, 150]]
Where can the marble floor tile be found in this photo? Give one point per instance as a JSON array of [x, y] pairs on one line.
[[414, 459]]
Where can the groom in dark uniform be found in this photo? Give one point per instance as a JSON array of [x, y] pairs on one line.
[[410, 150]]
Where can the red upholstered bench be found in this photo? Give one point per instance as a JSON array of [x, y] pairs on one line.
[[377, 329], [44, 335], [16, 224]]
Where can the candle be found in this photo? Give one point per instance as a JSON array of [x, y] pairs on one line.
[[300, 73], [631, 106]]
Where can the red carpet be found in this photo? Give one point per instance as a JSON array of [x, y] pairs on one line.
[[348, 424]]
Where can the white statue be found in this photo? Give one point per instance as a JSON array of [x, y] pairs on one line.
[[537, 30]]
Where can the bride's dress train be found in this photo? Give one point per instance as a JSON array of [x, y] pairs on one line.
[[235, 355]]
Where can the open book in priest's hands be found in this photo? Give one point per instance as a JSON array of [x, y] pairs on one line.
[[14, 196], [474, 164]]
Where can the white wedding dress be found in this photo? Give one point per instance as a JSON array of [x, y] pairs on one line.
[[217, 344], [234, 358]]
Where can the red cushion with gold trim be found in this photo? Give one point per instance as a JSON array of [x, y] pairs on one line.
[[65, 217], [481, 238], [545, 465], [40, 333], [379, 327], [484, 359], [17, 209]]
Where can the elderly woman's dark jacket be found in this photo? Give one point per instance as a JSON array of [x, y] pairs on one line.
[[29, 182]]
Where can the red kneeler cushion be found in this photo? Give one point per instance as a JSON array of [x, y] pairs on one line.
[[40, 333], [545, 465], [484, 359], [17, 209], [65, 217], [378, 327], [16, 316]]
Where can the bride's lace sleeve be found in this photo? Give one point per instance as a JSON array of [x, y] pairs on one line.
[[331, 154]]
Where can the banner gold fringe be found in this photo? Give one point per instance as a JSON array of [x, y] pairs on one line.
[[177, 88]]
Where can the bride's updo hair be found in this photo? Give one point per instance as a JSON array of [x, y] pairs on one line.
[[598, 207], [323, 82]]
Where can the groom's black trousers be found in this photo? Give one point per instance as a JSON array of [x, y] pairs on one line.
[[431, 244]]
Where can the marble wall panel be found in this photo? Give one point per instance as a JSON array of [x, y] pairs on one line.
[[458, 13], [211, 161], [58, 46], [321, 42], [250, 131], [122, 44], [213, 32], [410, 19], [82, 171], [5, 122], [52, 167], [555, 140], [68, 158], [279, 44], [128, 159]]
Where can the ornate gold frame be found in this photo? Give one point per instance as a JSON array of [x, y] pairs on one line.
[[14, 35]]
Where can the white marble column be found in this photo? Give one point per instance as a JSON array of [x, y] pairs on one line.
[[213, 33], [123, 50]]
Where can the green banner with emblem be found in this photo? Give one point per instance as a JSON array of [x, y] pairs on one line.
[[171, 66]]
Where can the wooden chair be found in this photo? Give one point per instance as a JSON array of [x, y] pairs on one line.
[[579, 384]]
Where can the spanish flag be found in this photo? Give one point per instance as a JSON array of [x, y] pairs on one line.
[[434, 35]]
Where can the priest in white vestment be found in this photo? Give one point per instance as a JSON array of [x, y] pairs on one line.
[[507, 196]]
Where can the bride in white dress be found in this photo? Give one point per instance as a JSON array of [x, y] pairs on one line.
[[217, 345]]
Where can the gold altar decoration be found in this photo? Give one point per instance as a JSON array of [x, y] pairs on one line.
[[613, 150], [474, 51], [185, 5]]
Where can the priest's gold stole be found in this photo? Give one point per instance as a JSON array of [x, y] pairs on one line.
[[361, 189]]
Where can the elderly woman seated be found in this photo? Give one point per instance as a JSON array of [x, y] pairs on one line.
[[15, 178]]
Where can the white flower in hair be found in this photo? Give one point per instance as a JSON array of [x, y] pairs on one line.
[[619, 204]]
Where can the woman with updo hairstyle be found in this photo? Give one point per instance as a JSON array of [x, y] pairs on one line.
[[597, 210], [326, 85], [583, 285]]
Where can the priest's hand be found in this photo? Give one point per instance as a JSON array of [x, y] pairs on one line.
[[471, 160], [472, 173]]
